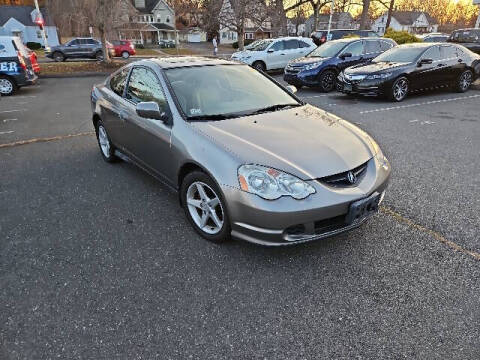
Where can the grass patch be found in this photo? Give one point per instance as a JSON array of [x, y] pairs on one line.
[[79, 67], [147, 52], [171, 51]]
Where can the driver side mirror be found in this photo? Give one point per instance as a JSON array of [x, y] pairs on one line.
[[345, 55], [425, 62], [151, 110]]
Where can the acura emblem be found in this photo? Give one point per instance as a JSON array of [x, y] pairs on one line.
[[351, 177]]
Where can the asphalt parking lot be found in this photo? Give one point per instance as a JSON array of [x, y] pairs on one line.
[[97, 261]]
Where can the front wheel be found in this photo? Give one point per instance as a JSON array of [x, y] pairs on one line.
[[259, 65], [327, 80], [7, 86], [464, 81], [205, 207], [399, 90], [58, 56]]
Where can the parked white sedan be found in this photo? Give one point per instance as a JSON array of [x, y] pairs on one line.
[[275, 53]]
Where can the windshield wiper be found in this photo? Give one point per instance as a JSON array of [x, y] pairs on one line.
[[211, 117], [273, 108]]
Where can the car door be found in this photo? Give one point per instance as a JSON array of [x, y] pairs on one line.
[[455, 65], [114, 106], [90, 47], [148, 140], [356, 50], [72, 49], [292, 50], [429, 75], [372, 49], [276, 55]]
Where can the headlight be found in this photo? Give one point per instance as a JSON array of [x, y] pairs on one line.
[[379, 76], [272, 184], [246, 57], [312, 66]]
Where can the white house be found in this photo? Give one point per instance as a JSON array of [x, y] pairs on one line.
[[19, 21], [153, 22], [415, 22], [296, 29]]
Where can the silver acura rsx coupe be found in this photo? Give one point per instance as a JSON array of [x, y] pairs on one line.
[[248, 158]]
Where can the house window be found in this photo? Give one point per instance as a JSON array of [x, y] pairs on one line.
[[159, 18], [224, 35], [167, 19]]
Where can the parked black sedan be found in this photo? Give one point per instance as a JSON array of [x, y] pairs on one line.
[[412, 67]]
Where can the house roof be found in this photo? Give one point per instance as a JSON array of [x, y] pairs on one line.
[[149, 6], [22, 14], [161, 26], [409, 17]]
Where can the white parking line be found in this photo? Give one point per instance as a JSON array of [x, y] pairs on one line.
[[9, 111], [7, 120], [419, 104], [6, 132], [314, 96]]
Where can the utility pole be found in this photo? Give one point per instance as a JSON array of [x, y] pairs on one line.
[[45, 41], [330, 20]]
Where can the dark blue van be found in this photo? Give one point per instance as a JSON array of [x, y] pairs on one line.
[[321, 67]]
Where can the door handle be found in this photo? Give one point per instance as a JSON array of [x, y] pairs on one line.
[[440, 65], [282, 54], [460, 60]]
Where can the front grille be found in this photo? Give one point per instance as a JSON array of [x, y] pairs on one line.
[[344, 179], [327, 225], [319, 227], [293, 70]]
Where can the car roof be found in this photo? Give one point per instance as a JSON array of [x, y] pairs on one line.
[[188, 61], [418, 45]]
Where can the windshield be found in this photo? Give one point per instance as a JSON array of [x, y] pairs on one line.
[[225, 90], [400, 54], [328, 49], [262, 45]]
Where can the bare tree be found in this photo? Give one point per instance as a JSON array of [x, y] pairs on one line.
[[236, 14], [364, 17], [316, 5]]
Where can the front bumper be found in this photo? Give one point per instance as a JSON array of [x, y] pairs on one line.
[[365, 87], [287, 221], [302, 78]]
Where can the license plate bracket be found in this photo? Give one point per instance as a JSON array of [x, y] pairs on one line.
[[361, 209]]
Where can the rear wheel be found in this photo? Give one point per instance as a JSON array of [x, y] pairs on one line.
[[399, 89], [464, 81], [58, 56], [125, 54], [106, 147], [99, 55], [205, 207], [327, 80], [7, 86], [259, 65]]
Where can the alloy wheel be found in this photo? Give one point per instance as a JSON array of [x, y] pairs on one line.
[[6, 87], [465, 80], [328, 81], [400, 89], [205, 208], [125, 55], [104, 142]]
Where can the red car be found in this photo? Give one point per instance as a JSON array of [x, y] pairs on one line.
[[123, 48]]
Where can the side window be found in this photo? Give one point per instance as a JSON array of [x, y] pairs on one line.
[[291, 44], [372, 47], [356, 49], [74, 42], [118, 81], [432, 53], [448, 52], [144, 86], [303, 44], [385, 45], [279, 45]]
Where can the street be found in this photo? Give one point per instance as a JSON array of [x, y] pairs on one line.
[[97, 261]]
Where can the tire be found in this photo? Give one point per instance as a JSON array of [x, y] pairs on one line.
[[125, 54], [399, 90], [99, 55], [464, 81], [259, 65], [58, 56], [8, 86], [201, 209], [107, 150], [327, 80]]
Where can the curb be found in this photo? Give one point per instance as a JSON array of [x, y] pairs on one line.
[[74, 75]]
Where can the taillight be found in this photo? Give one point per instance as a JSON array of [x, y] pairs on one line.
[[132, 46], [23, 65]]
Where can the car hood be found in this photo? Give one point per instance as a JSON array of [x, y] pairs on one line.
[[307, 142], [307, 60], [375, 67]]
